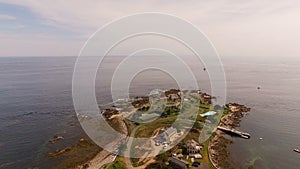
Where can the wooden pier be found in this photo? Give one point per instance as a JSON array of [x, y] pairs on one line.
[[234, 132]]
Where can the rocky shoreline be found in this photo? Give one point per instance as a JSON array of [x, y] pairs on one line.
[[218, 146], [77, 156], [218, 151]]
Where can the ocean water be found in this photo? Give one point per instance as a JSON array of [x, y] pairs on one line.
[[275, 112], [36, 104]]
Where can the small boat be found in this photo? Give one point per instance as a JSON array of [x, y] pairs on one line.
[[297, 150], [209, 113]]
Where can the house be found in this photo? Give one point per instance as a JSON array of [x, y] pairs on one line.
[[177, 163], [193, 149], [161, 138], [165, 135]]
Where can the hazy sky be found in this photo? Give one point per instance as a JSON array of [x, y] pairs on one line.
[[267, 28]]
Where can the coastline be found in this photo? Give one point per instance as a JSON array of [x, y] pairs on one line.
[[217, 149], [98, 161]]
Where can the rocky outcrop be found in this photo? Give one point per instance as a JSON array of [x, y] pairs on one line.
[[235, 107], [141, 102], [205, 98], [55, 139], [59, 152], [172, 91], [82, 142], [218, 152], [173, 95], [107, 113], [218, 146]]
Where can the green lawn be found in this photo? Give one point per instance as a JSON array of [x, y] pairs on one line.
[[146, 130], [117, 164]]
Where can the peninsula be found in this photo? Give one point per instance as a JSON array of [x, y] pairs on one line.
[[143, 119]]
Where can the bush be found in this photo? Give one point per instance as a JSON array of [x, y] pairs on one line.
[[117, 165], [163, 157]]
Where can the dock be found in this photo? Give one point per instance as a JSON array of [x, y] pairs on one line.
[[234, 132]]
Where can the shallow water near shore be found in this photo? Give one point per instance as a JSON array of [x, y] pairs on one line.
[[36, 104]]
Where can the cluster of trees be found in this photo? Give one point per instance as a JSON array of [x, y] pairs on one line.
[[170, 111]]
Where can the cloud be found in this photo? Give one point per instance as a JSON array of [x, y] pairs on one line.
[[89, 15], [236, 27], [7, 17]]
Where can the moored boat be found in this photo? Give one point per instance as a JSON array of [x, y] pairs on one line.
[[297, 150]]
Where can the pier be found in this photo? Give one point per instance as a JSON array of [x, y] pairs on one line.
[[234, 132]]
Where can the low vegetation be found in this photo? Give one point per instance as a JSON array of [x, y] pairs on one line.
[[146, 130], [117, 165]]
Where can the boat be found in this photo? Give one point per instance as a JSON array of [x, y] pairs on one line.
[[297, 150], [209, 113]]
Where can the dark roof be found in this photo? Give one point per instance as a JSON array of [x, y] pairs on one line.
[[177, 163], [192, 143]]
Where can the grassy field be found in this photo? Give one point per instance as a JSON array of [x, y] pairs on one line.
[[146, 130], [119, 163], [205, 157]]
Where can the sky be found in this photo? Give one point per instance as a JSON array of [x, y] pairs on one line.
[[239, 28]]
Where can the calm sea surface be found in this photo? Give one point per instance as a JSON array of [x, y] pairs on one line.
[[36, 104]]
